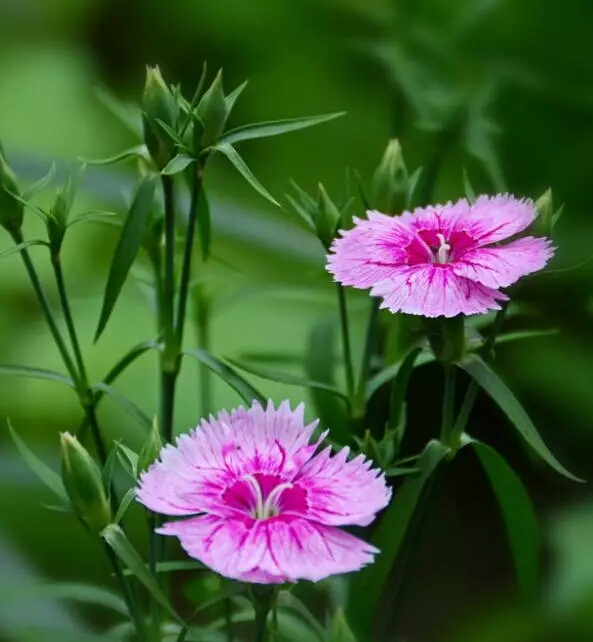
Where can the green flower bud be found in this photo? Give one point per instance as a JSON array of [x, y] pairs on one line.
[[84, 485], [327, 217], [151, 448], [212, 111], [11, 210], [546, 216], [158, 104], [389, 189]]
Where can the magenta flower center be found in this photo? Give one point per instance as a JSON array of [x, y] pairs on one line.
[[262, 496], [437, 246]]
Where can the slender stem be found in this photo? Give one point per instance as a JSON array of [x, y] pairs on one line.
[[59, 274], [131, 603], [203, 341], [49, 316], [187, 254], [346, 342], [448, 404], [168, 381], [370, 345], [261, 622], [86, 395], [169, 274]]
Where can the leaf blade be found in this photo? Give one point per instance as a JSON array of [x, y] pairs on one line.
[[367, 585], [241, 166], [121, 546], [127, 248], [275, 127], [128, 405], [493, 385], [518, 515], [291, 380], [37, 373], [227, 374], [49, 477]]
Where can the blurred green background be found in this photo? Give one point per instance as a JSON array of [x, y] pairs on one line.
[[516, 78]]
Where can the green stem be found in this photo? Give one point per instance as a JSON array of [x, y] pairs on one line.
[[187, 254], [18, 238], [131, 603], [59, 274], [347, 352], [370, 345], [448, 403], [169, 275], [261, 623], [203, 341]]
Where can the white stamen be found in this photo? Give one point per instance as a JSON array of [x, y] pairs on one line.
[[257, 512], [443, 250], [270, 507]]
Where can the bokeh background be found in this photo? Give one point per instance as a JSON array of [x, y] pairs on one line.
[[513, 81]]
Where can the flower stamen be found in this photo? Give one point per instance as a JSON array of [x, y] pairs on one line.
[[443, 250]]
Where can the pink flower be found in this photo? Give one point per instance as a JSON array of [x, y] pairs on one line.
[[442, 260], [261, 506]]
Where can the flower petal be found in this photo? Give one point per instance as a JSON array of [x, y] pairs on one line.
[[494, 218], [341, 492], [270, 551], [498, 267], [370, 251], [435, 290]]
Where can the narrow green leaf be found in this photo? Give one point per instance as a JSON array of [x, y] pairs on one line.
[[15, 249], [124, 505], [361, 191], [110, 218], [50, 478], [287, 600], [492, 384], [399, 472], [272, 357], [129, 460], [127, 114], [368, 584], [231, 153], [129, 406], [228, 375], [303, 214], [518, 514], [139, 151], [77, 591], [107, 472], [413, 183], [174, 567], [129, 358], [274, 128], [291, 380], [320, 359], [340, 630], [117, 540], [37, 186], [524, 334], [309, 203], [177, 164], [231, 99], [127, 248], [204, 223], [470, 193], [37, 373]]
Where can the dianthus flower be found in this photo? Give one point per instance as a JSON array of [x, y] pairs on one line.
[[441, 260], [261, 505]]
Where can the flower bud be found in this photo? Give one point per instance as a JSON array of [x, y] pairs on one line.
[[158, 104], [212, 111], [84, 485], [327, 217], [390, 181], [546, 216], [151, 449], [11, 210]]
